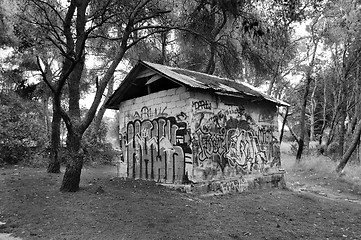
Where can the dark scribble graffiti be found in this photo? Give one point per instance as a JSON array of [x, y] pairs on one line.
[[201, 105], [235, 141], [210, 143]]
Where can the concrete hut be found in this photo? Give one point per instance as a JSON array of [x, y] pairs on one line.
[[181, 126]]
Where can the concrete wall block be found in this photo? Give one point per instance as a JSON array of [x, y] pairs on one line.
[[171, 92], [172, 105], [180, 90], [166, 99], [184, 96], [157, 101], [181, 104], [150, 102], [176, 97]]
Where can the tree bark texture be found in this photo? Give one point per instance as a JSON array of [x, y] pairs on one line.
[[74, 163], [304, 104], [283, 125], [54, 163], [303, 121], [99, 117], [312, 113], [71, 179]]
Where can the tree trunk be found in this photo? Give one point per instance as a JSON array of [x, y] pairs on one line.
[[47, 117], [283, 124], [303, 120], [71, 179], [350, 149], [324, 113], [54, 163], [99, 117], [312, 114], [304, 104], [211, 66], [342, 129]]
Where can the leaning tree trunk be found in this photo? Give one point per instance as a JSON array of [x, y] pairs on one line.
[[283, 124], [342, 129], [350, 149], [99, 117]]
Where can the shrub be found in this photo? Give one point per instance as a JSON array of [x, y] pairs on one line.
[[22, 130], [96, 148]]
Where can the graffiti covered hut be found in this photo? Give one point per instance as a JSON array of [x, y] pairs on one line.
[[178, 125]]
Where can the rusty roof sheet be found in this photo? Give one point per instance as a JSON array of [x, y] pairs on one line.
[[205, 81], [192, 79]]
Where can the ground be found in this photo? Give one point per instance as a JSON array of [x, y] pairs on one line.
[[315, 206]]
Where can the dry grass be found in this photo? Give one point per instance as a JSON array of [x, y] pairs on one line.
[[320, 167]]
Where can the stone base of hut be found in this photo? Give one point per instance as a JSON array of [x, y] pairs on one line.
[[234, 185]]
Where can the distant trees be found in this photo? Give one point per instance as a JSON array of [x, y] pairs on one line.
[[332, 106], [72, 29], [231, 38]]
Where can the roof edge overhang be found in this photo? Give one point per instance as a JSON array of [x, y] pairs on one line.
[[251, 97], [114, 101]]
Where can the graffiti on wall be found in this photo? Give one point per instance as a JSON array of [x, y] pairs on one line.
[[166, 148], [157, 149], [237, 185], [201, 105], [232, 138], [147, 113]]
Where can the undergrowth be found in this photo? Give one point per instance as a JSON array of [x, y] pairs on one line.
[[320, 165]]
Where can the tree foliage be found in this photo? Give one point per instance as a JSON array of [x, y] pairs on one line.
[[246, 39], [22, 130]]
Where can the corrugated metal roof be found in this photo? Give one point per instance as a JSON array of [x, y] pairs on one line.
[[192, 79], [201, 80]]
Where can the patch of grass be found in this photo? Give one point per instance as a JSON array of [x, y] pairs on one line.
[[352, 173], [319, 168]]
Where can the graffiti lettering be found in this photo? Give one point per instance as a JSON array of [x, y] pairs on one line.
[[238, 143], [245, 151], [209, 144], [239, 111], [148, 113], [181, 116], [157, 149], [238, 185], [201, 105]]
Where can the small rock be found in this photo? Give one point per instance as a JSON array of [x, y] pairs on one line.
[[99, 190]]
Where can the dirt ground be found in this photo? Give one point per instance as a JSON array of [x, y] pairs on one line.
[[314, 207]]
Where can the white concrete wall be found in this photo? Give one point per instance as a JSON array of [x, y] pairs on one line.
[[154, 136], [178, 134], [231, 138]]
